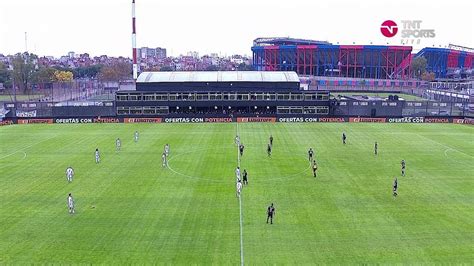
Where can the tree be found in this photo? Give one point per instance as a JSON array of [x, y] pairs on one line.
[[23, 69], [428, 76], [5, 75], [63, 76], [166, 68], [117, 72], [418, 66], [44, 75], [212, 68], [87, 72], [245, 67]]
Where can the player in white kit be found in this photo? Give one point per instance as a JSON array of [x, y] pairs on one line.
[[136, 136], [237, 173], [239, 188], [118, 144], [167, 150], [69, 174], [97, 156], [163, 160], [70, 204]]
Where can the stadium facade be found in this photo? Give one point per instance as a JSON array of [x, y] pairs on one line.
[[319, 58], [448, 63], [254, 96], [220, 94]]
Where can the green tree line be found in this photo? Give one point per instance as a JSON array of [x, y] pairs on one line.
[[25, 72]]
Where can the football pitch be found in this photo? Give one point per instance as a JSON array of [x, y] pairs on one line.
[[130, 209]]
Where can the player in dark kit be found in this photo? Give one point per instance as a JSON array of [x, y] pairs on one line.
[[269, 150], [271, 140], [376, 146], [310, 154], [403, 167], [270, 213], [241, 149], [395, 187], [343, 138], [315, 168], [245, 180]]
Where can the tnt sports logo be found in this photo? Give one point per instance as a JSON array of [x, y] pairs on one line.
[[411, 31], [389, 28]]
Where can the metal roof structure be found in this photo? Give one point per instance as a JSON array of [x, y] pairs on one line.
[[286, 41], [218, 76]]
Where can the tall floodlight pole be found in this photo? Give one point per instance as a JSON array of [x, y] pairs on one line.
[[134, 43], [13, 83], [26, 42]]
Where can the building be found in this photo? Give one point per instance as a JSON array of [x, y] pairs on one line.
[[192, 54], [449, 62], [154, 53], [318, 58], [222, 94], [160, 53]]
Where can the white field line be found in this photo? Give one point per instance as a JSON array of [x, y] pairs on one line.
[[24, 148], [445, 146], [240, 207]]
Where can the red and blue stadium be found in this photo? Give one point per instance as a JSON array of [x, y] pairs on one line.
[[319, 58]]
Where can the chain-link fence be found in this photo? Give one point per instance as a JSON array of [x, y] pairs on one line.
[[78, 90], [402, 108]]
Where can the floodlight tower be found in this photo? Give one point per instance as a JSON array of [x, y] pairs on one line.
[[134, 43]]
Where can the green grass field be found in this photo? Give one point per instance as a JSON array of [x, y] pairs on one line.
[[20, 97], [131, 210]]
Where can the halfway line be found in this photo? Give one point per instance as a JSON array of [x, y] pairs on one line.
[[240, 205]]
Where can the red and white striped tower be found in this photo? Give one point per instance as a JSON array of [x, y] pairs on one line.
[[134, 43]]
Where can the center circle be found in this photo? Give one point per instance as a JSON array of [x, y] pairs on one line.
[[219, 164]]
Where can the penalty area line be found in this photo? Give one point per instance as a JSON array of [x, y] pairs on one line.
[[24, 148]]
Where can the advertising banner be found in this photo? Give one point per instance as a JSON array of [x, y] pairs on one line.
[[469, 121], [218, 120], [35, 121], [295, 119], [409, 119], [6, 123], [311, 119], [73, 120], [142, 120], [106, 120], [437, 120], [198, 120], [367, 119], [183, 120], [256, 119], [332, 119], [26, 114]]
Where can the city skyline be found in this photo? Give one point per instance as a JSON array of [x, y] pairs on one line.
[[74, 54], [57, 27]]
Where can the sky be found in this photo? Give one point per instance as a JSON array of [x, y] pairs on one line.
[[55, 27]]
